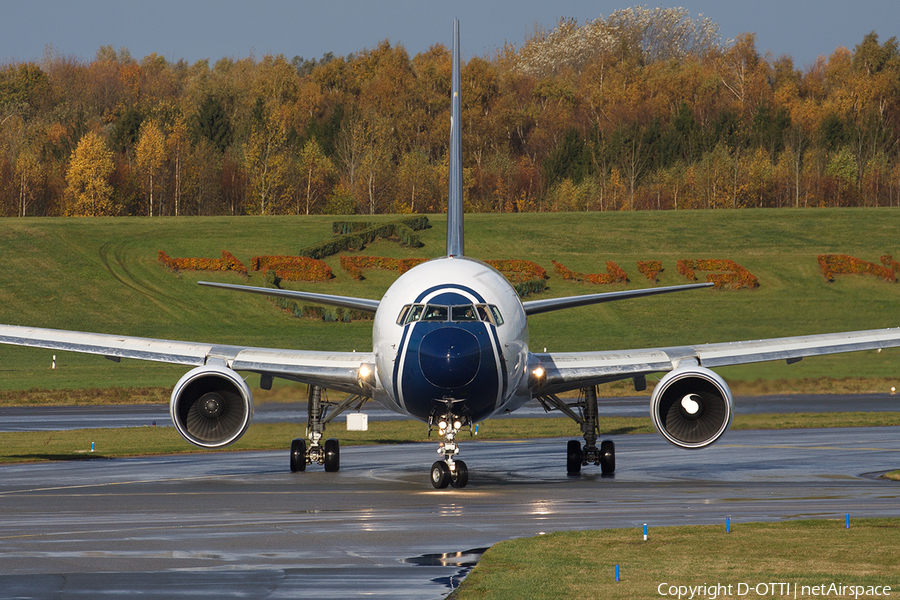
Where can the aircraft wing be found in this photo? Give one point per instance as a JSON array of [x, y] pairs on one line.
[[333, 370], [536, 307], [572, 370]]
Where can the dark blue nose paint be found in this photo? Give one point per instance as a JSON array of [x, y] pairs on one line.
[[449, 357]]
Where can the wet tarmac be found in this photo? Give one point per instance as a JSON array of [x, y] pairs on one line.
[[238, 524], [54, 418]]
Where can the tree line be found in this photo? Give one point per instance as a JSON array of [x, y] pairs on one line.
[[643, 109]]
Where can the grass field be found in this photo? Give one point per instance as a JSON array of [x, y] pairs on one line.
[[103, 275], [581, 564]]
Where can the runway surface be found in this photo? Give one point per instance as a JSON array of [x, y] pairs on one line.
[[229, 525], [54, 418]]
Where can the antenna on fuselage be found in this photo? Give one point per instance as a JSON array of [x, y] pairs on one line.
[[455, 199]]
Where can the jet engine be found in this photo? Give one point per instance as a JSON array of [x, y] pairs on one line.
[[211, 406], [691, 407]]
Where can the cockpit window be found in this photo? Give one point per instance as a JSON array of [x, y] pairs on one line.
[[487, 313], [483, 314], [433, 312], [465, 312], [414, 313]]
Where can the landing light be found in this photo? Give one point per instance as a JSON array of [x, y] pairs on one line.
[[457, 425]]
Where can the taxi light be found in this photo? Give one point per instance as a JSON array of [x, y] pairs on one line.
[[366, 375], [457, 425], [538, 378]]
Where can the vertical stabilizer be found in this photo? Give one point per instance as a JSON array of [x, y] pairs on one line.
[[455, 199]]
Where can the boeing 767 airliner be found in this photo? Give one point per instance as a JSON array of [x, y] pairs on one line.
[[450, 348]]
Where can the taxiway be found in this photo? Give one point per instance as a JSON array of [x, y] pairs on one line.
[[239, 524]]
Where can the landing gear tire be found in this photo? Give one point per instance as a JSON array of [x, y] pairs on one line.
[[607, 457], [440, 475], [460, 476], [573, 457], [332, 456], [298, 455]]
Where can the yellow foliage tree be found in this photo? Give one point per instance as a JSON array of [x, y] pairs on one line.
[[317, 175], [88, 190], [150, 153]]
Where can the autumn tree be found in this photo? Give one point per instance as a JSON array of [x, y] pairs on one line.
[[317, 175], [150, 153], [89, 193]]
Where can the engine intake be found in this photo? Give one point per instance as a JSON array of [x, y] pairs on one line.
[[691, 407], [211, 406]]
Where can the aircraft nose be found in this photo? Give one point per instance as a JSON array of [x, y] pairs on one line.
[[449, 357]]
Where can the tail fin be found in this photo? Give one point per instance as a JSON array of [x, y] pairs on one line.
[[455, 199]]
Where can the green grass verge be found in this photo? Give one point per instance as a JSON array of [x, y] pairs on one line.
[[132, 441], [103, 275], [581, 564]]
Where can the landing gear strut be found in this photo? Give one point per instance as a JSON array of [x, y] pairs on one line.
[[318, 414], [449, 471], [577, 455]]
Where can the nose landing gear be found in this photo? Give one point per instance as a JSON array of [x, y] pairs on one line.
[[449, 471]]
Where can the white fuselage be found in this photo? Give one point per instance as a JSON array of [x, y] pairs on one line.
[[451, 330]]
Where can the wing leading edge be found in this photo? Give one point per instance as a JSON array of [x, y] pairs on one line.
[[333, 370], [573, 370]]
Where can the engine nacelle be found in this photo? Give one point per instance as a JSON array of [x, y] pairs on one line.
[[211, 406], [691, 407]]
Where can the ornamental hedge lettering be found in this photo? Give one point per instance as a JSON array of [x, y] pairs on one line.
[[614, 274], [354, 265], [525, 276], [228, 262], [351, 237], [293, 268], [842, 264], [726, 273], [650, 268]]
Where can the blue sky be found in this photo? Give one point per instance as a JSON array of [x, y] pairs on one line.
[[198, 29]]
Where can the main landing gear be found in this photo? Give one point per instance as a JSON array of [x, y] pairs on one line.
[[577, 455], [449, 471], [329, 453]]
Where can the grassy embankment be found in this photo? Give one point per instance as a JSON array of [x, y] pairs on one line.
[[581, 564], [102, 275]]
